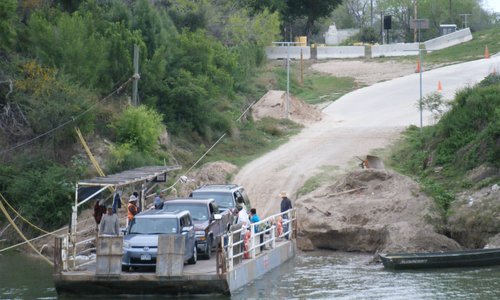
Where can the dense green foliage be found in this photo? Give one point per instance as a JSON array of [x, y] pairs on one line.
[[140, 127], [298, 16], [59, 58], [7, 18], [467, 136]]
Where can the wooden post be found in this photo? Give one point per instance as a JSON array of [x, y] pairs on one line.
[[294, 224], [58, 262], [301, 67]]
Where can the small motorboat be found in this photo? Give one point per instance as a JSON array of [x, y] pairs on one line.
[[453, 259]]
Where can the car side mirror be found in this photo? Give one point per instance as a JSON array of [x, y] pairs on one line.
[[217, 216], [186, 229]]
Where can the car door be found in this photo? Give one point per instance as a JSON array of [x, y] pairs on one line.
[[189, 235], [216, 225], [245, 198]]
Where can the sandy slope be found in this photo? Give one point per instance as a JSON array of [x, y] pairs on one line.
[[354, 125]]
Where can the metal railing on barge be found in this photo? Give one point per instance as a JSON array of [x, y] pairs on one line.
[[241, 242], [232, 248]]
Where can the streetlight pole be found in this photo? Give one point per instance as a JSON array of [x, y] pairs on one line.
[[420, 102], [287, 104]]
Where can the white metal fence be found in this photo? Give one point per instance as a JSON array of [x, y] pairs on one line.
[[274, 228]]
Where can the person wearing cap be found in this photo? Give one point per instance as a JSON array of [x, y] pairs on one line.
[[109, 223], [132, 207], [159, 200], [286, 203]]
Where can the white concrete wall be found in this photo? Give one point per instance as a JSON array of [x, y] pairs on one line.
[[448, 40], [403, 49], [338, 36], [340, 52], [280, 52]]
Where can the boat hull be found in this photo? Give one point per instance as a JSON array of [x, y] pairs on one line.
[[456, 259]]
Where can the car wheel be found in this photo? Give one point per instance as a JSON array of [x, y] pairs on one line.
[[208, 250], [193, 258], [125, 268]]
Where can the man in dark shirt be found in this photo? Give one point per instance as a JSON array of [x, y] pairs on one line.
[[286, 204]]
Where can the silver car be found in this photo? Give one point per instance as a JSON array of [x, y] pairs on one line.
[[140, 243]]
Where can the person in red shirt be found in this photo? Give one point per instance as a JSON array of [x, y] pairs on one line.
[[99, 210]]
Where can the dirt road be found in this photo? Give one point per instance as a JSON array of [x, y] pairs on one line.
[[354, 125]]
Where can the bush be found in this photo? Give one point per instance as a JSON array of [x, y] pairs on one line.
[[125, 156], [368, 35], [43, 195], [139, 128], [467, 136]]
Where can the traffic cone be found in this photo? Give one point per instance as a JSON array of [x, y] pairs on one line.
[[418, 67], [486, 52], [440, 86]]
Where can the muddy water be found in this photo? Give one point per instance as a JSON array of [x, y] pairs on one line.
[[319, 275]]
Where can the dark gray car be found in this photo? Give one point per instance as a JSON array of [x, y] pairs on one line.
[[227, 196], [208, 221], [140, 243]]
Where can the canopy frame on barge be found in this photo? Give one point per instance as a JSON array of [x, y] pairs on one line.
[[141, 175]]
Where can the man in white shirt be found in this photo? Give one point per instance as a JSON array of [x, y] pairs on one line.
[[243, 216], [109, 223]]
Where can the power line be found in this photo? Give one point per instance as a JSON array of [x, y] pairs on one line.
[[209, 149], [73, 118]]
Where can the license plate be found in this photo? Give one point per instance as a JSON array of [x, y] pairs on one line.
[[145, 257]]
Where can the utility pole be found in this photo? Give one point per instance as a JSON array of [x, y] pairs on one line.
[[382, 26], [371, 13], [135, 100], [301, 67], [451, 21], [415, 3]]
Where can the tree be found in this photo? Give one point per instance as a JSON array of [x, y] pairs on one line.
[[312, 10], [360, 11], [7, 17]]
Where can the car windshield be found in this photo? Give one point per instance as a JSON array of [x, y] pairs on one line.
[[153, 226], [223, 200], [198, 212]]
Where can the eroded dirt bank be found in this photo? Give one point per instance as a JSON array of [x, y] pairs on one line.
[[370, 210]]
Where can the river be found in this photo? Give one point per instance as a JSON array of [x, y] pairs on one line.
[[316, 275]]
